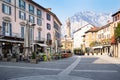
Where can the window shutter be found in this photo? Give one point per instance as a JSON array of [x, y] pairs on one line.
[[39, 35], [33, 20], [29, 7], [10, 1], [24, 5], [22, 32], [10, 29], [3, 29], [9, 10], [20, 14], [19, 4], [3, 8], [24, 16]]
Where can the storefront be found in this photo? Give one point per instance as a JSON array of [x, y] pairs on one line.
[[10, 45]]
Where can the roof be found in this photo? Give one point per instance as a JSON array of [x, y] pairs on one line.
[[94, 29], [82, 27], [105, 26], [46, 10], [116, 13]]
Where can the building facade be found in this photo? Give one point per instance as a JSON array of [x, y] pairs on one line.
[[79, 36], [105, 42], [15, 14], [67, 41], [91, 38], [116, 43]]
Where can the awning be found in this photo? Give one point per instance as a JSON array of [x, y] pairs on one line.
[[97, 47], [40, 44], [13, 41]]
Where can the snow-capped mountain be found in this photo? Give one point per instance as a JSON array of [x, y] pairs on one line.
[[88, 17], [82, 18]]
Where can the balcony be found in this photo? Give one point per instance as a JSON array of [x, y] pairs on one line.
[[42, 40]]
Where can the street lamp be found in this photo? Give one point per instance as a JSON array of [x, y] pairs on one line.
[[65, 42], [0, 32], [26, 40], [0, 43]]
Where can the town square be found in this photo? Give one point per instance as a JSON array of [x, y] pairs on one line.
[[59, 40]]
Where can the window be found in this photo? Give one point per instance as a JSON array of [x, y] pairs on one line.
[[57, 34], [22, 15], [9, 1], [56, 26], [115, 18], [39, 21], [7, 29], [48, 26], [48, 17], [49, 41], [39, 35], [48, 36], [31, 33], [31, 19], [31, 8], [22, 31], [6, 9], [22, 4], [107, 28], [39, 13]]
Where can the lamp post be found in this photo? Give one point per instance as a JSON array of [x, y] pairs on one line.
[[0, 43], [27, 41], [1, 32], [65, 43]]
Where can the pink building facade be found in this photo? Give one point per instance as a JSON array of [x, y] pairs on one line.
[[14, 15]]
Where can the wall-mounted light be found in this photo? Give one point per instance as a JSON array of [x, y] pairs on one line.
[[3, 43], [18, 44]]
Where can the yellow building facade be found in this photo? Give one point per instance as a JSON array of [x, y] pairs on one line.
[[107, 44], [91, 36], [67, 45]]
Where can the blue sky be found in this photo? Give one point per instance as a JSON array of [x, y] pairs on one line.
[[67, 8]]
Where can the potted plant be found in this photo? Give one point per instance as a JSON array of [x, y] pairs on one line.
[[33, 58], [9, 56], [38, 56], [14, 57]]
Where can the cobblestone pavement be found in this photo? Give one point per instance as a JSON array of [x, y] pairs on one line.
[[74, 68]]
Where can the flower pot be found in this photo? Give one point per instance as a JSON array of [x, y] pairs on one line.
[[4, 59], [33, 61], [9, 58], [14, 60]]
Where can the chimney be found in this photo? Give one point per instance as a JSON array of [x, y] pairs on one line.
[[49, 9], [108, 21]]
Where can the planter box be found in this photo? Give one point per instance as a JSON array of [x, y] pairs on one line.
[[38, 58], [9, 58], [33, 61], [14, 60], [4, 59]]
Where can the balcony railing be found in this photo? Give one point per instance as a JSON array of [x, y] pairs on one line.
[[16, 35]]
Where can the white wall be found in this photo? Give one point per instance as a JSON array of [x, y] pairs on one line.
[[78, 39]]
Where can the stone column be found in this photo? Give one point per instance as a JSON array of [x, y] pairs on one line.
[[26, 42], [118, 50]]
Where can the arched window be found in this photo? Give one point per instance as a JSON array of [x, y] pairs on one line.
[[48, 36]]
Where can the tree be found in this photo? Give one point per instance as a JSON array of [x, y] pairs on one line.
[[94, 43], [117, 31]]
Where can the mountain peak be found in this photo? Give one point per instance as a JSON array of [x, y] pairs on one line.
[[82, 18], [97, 19]]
